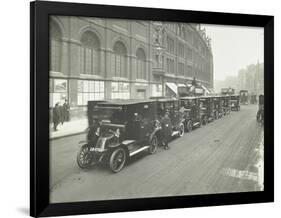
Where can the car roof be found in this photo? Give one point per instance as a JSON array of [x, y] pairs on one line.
[[166, 99], [207, 96], [188, 98], [121, 102]]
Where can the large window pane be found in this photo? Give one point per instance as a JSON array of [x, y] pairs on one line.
[[90, 90]]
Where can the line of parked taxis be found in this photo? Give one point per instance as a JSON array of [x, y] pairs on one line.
[[120, 129]]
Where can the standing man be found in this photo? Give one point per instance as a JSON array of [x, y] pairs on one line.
[[56, 116], [166, 130], [66, 111], [62, 114]]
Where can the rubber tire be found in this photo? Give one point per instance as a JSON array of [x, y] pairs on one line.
[[181, 130], [217, 115], [204, 122], [189, 126], [113, 155], [80, 164], [153, 151]]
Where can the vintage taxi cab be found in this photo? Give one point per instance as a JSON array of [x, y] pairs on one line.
[[244, 97], [176, 115], [117, 131], [192, 112], [208, 109], [226, 106], [218, 105], [235, 102]]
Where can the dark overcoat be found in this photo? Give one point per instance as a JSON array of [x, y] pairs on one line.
[[56, 114]]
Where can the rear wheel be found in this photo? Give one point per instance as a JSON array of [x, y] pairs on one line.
[[216, 115], [117, 160], [181, 130], [84, 157], [204, 120], [189, 126], [153, 143]]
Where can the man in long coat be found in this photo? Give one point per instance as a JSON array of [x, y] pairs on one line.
[[66, 111], [166, 130], [56, 116]]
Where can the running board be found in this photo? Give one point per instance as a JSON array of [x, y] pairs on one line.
[[196, 124], [175, 133], [138, 150]]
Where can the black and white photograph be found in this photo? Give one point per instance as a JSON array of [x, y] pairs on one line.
[[142, 109]]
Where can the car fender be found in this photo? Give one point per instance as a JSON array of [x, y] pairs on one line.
[[182, 121], [115, 145], [154, 132]]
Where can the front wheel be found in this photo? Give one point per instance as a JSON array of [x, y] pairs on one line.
[[153, 143], [204, 120], [217, 116], [117, 160], [84, 157], [189, 126]]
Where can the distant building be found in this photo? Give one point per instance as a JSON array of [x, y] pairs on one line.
[[96, 59], [250, 78]]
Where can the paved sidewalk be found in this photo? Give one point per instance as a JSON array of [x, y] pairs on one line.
[[69, 128]]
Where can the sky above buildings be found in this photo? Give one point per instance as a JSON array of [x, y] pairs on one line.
[[234, 47]]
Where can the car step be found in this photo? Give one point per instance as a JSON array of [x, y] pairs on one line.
[[196, 124], [138, 150], [175, 133]]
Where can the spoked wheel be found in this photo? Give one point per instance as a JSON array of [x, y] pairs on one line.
[[153, 145], [217, 116], [117, 160], [84, 157], [181, 130], [189, 126], [204, 120]]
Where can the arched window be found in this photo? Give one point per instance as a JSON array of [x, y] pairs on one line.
[[55, 47], [119, 60], [90, 53], [141, 65]]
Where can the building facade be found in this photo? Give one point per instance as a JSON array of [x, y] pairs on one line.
[[252, 79], [97, 59]]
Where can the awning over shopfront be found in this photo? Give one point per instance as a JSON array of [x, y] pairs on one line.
[[173, 87]]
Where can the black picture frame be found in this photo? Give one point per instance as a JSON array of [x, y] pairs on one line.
[[39, 108]]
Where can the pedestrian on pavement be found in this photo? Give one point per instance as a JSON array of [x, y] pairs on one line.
[[62, 114], [66, 111], [56, 116], [166, 130]]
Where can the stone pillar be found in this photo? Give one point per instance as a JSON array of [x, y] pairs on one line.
[[102, 63], [73, 92], [64, 58], [75, 59], [133, 75], [107, 89]]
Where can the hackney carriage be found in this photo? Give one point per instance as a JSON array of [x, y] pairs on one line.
[[172, 108], [208, 108], [192, 112], [218, 105], [117, 131], [235, 102], [226, 105]]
